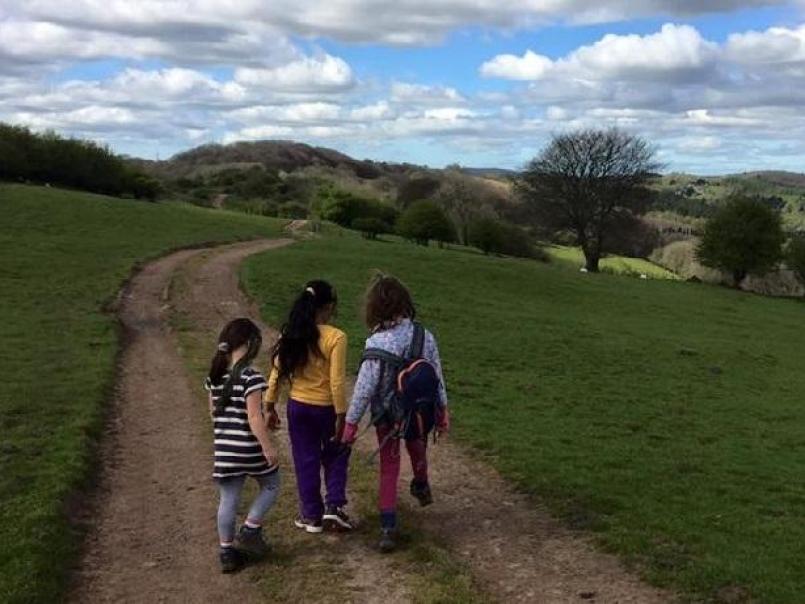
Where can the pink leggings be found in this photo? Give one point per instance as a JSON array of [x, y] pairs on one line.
[[390, 465]]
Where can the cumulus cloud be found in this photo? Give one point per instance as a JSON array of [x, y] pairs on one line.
[[309, 74], [676, 51]]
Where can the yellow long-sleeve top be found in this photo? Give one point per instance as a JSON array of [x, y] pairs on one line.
[[322, 381]]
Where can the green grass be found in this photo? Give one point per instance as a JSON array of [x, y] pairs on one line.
[[63, 255], [618, 265], [665, 417]]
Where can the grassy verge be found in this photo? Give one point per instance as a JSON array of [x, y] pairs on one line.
[[63, 255], [666, 417], [618, 265]]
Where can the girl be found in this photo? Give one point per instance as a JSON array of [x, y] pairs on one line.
[[311, 356], [242, 446], [389, 314]]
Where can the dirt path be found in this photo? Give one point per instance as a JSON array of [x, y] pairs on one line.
[[153, 532]]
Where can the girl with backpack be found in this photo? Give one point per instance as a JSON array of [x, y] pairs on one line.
[[242, 445], [401, 380], [310, 356]]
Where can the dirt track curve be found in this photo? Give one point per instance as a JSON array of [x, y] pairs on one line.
[[152, 534]]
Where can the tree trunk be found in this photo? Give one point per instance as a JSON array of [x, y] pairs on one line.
[[591, 261], [738, 276]]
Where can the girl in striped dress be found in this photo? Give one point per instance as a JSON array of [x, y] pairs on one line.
[[242, 445]]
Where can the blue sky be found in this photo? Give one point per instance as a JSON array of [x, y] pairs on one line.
[[716, 85]]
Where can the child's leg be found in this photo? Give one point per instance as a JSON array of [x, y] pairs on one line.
[[335, 459], [304, 430], [266, 497], [389, 474], [418, 452], [230, 489]]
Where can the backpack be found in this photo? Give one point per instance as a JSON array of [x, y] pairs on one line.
[[412, 389]]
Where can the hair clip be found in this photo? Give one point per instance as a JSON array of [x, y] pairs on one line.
[[223, 347], [311, 291]]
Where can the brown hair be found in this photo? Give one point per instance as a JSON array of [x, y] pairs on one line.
[[386, 299]]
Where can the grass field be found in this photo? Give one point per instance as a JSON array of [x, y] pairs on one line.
[[665, 417], [619, 265], [63, 255]]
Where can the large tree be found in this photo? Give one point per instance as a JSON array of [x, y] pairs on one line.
[[590, 183], [745, 236]]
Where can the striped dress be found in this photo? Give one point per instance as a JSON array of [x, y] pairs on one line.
[[237, 450]]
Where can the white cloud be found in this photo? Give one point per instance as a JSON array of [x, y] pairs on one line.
[[775, 45], [530, 66], [309, 74], [420, 94], [676, 51]]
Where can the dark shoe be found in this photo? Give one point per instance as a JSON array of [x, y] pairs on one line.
[[311, 526], [422, 492], [250, 541], [336, 518], [231, 560], [388, 540]]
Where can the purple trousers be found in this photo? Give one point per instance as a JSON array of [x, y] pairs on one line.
[[311, 427]]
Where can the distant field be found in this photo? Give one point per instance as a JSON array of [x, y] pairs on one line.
[[666, 417], [612, 264], [62, 256]]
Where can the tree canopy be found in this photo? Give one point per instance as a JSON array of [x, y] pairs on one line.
[[587, 183], [745, 236], [424, 220]]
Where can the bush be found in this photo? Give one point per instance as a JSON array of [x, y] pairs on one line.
[[49, 158], [744, 237], [371, 226], [494, 236], [424, 220], [795, 256], [292, 209]]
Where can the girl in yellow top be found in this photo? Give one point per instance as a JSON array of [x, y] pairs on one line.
[[310, 356]]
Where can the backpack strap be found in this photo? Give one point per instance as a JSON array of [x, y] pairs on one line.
[[379, 354], [417, 342]]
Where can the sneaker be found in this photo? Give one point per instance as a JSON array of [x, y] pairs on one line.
[[250, 541], [388, 540], [421, 491], [337, 519], [311, 526], [231, 560]]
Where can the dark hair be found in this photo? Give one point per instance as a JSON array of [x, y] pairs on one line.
[[299, 337], [386, 299], [235, 334]]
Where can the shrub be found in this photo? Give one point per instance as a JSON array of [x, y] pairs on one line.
[[744, 237], [345, 208], [371, 226], [424, 220], [795, 256], [50, 158], [499, 237], [292, 209]]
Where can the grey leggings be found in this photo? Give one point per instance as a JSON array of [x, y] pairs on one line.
[[231, 488]]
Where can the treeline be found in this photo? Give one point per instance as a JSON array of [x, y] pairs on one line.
[[49, 158]]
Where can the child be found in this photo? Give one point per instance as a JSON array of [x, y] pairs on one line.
[[242, 446], [389, 314], [311, 356]]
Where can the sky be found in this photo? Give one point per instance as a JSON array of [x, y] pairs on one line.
[[718, 86]]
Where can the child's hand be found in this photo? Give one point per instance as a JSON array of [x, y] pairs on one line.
[[442, 422], [272, 419], [340, 420], [350, 434], [271, 457]]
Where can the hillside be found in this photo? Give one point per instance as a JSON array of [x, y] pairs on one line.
[[661, 416], [63, 257]]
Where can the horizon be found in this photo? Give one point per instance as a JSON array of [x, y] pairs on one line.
[[716, 85]]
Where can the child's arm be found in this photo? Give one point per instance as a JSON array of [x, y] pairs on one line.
[[431, 352], [270, 398], [258, 426], [338, 379], [365, 387]]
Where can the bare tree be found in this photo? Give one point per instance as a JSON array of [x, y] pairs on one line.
[[588, 182], [461, 200]]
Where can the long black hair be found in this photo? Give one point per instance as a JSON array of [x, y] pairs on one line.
[[299, 338], [236, 333]]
